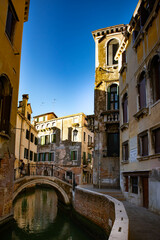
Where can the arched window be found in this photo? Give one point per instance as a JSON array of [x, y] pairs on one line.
[[5, 104], [112, 48], [113, 97], [142, 91], [125, 108], [155, 77]]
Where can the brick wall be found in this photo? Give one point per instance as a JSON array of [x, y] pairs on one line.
[[105, 211]]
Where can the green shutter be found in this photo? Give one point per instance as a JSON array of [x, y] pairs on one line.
[[49, 156], [38, 157], [54, 139], [43, 157], [108, 99]]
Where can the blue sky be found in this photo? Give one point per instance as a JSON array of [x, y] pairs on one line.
[[58, 52]]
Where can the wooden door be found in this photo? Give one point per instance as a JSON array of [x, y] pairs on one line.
[[145, 191]]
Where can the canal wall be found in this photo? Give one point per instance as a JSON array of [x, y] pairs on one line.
[[104, 211]]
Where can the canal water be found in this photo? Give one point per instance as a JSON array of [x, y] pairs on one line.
[[37, 217]]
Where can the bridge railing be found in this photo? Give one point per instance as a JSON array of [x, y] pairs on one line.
[[38, 169]]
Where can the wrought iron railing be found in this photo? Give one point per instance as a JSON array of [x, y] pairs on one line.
[[41, 169]]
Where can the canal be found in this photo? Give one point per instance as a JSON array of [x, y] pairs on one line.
[[36, 216]]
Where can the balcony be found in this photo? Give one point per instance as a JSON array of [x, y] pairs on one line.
[[90, 145], [111, 116]]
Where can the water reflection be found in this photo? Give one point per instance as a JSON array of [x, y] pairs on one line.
[[37, 217], [36, 211]]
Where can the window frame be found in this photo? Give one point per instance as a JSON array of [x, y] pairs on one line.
[[142, 151], [11, 20], [142, 98], [125, 154]]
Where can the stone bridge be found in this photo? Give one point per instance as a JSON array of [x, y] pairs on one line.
[[62, 188]]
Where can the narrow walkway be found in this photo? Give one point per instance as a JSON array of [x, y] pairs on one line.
[[143, 224]]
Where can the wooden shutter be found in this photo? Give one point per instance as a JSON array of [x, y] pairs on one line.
[[49, 156], [6, 110], [43, 156]]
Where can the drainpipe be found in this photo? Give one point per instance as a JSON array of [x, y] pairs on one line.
[[99, 164], [20, 139]]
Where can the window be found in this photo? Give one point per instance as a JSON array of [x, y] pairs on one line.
[[32, 137], [28, 116], [113, 145], [125, 108], [113, 98], [156, 140], [125, 152], [31, 155], [75, 135], [143, 144], [51, 156], [155, 78], [69, 175], [84, 158], [73, 155], [53, 138], [126, 183], [46, 156], [11, 21], [26, 153], [84, 136], [47, 139], [27, 134], [40, 156], [112, 48], [42, 138], [142, 91], [5, 104], [35, 157], [36, 141], [134, 184], [89, 157]]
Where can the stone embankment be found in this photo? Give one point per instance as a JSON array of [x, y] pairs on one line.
[[104, 211]]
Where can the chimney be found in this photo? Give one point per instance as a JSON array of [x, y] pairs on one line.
[[25, 98]]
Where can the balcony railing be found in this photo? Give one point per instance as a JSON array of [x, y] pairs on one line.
[[111, 116]]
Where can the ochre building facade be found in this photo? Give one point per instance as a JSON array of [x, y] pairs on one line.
[[13, 13]]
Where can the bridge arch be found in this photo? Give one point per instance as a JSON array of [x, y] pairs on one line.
[[32, 182]]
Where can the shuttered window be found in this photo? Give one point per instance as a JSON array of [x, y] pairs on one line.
[[156, 137], [42, 140], [125, 108], [11, 21], [142, 91], [47, 139], [143, 144], [51, 156], [113, 97], [155, 78], [73, 155], [53, 138], [5, 105], [125, 151]]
